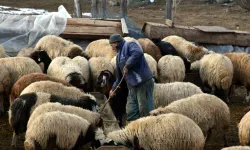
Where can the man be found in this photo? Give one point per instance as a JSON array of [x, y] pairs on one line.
[[131, 62]]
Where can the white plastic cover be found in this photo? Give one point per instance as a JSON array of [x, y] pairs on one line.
[[17, 31]]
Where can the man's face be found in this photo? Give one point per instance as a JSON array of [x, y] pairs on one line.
[[113, 45]]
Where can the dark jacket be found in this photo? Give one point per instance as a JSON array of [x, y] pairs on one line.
[[131, 55]]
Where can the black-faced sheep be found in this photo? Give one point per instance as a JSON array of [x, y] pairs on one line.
[[170, 69], [244, 129], [26, 80], [15, 67], [186, 48], [58, 130], [67, 69], [163, 132], [241, 66], [118, 102], [22, 108], [40, 57], [150, 48], [167, 49], [98, 64], [207, 111], [216, 71], [56, 46], [166, 93]]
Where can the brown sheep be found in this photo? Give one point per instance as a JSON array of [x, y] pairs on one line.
[[26, 80], [150, 48]]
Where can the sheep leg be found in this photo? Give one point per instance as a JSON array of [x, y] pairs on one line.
[[14, 141], [227, 95], [248, 96], [1, 107]]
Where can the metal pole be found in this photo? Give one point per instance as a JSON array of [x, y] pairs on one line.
[[103, 14], [78, 11], [123, 8], [169, 9], [94, 9]]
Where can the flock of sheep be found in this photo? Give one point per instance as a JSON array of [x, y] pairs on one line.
[[47, 88]]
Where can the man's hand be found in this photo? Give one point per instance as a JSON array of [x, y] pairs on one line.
[[125, 70], [111, 93]]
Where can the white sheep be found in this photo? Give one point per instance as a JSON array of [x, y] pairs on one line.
[[216, 70], [54, 88], [152, 64], [96, 65], [170, 69], [93, 117], [100, 48], [207, 111], [166, 93], [244, 129], [241, 66], [186, 48], [83, 63], [67, 69], [164, 132], [236, 148], [56, 46], [13, 68], [23, 106], [69, 131]]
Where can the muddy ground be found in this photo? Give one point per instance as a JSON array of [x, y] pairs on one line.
[[188, 12]]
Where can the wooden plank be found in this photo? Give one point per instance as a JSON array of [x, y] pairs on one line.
[[156, 30], [91, 22], [213, 29], [89, 29], [124, 27]]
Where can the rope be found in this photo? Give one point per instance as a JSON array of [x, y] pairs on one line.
[[113, 92]]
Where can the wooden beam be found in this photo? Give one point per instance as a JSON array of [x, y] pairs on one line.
[[91, 22], [78, 10], [124, 27], [103, 13], [123, 8], [238, 38], [92, 30], [94, 7]]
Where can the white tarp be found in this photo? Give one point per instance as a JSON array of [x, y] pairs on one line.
[[18, 31]]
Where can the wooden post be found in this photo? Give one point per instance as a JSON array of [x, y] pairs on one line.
[[78, 11], [94, 8], [103, 15], [169, 13], [123, 8]]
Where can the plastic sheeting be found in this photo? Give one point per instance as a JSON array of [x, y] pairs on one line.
[[17, 32]]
